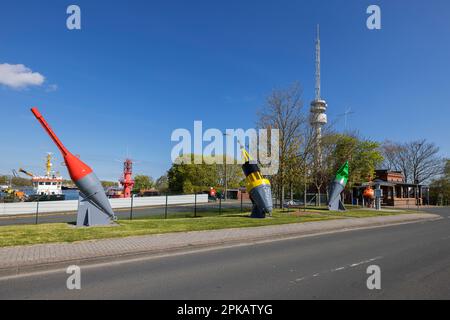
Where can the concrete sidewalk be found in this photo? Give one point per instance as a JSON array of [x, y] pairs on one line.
[[14, 260]]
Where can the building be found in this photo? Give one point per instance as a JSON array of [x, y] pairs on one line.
[[238, 194], [395, 191]]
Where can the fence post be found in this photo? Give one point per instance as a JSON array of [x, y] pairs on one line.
[[165, 209], [241, 204], [220, 205], [195, 205], [37, 210], [131, 209], [304, 201]]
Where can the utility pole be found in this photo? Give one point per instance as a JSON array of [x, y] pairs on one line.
[[225, 169], [306, 188], [417, 193], [226, 182]]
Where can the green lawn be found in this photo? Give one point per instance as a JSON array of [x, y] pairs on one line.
[[354, 212], [62, 232]]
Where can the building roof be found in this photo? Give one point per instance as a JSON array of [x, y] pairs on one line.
[[389, 184], [388, 171]]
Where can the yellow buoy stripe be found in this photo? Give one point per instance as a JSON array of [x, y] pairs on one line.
[[245, 154], [254, 180]]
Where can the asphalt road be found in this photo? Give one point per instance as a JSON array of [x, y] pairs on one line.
[[172, 211], [414, 260]]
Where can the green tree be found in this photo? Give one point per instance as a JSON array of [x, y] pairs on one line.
[[4, 180], [440, 191], [162, 183], [16, 181], [440, 188], [364, 156], [235, 176], [187, 177], [107, 184], [447, 169], [142, 182]]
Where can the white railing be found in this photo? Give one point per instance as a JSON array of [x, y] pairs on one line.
[[72, 205]]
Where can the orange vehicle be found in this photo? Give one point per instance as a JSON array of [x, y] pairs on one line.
[[369, 193], [14, 195]]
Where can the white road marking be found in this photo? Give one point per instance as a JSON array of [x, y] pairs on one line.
[[364, 262], [315, 275], [338, 269]]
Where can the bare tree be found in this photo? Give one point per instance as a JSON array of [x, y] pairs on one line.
[[424, 162], [391, 153], [283, 111], [418, 160]]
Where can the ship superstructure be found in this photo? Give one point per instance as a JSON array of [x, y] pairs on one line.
[[47, 187]]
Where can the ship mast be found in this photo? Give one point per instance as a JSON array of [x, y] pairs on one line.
[[48, 164]]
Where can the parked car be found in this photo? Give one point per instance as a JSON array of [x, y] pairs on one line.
[[292, 203]]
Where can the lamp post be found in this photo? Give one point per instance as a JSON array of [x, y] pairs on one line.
[[306, 183], [225, 169], [417, 192]]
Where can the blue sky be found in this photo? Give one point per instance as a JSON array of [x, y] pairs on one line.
[[140, 69]]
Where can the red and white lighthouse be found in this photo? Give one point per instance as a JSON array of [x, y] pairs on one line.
[[127, 181]]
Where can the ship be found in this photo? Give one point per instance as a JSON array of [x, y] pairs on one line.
[[47, 187]]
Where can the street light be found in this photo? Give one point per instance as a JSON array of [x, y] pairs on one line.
[[417, 192], [225, 169]]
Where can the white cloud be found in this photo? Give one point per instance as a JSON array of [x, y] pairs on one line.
[[18, 76]]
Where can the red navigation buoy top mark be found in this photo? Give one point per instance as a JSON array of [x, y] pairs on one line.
[[77, 168]]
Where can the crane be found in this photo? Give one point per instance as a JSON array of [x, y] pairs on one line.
[[14, 172], [11, 192], [26, 172]]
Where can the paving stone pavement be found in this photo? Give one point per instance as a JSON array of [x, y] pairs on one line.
[[16, 258]]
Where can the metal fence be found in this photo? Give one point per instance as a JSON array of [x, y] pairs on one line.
[[312, 199], [168, 206]]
